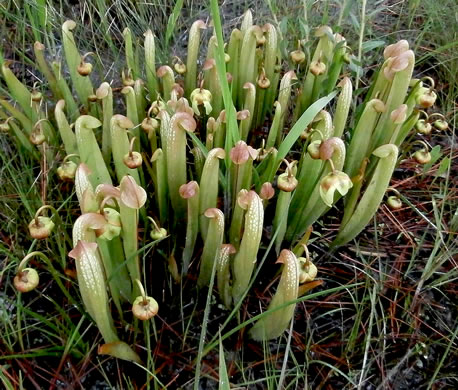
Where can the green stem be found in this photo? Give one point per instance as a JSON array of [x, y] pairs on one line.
[[139, 88], [25, 122], [72, 108], [247, 72], [158, 160], [224, 274], [38, 49], [132, 64], [249, 104], [343, 107], [212, 245], [235, 231], [275, 127], [315, 207], [274, 325], [82, 84], [373, 195], [150, 65], [233, 66], [245, 259], [89, 151], [280, 220], [362, 134], [209, 184], [193, 52], [129, 221], [19, 92], [66, 133], [190, 191], [271, 54], [131, 110], [105, 93], [176, 158], [284, 97], [121, 146], [165, 73], [92, 285]]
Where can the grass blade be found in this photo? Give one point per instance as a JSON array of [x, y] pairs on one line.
[[305, 119], [172, 22]]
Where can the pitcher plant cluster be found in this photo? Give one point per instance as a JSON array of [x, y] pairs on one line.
[[219, 156]]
